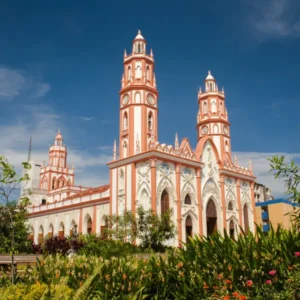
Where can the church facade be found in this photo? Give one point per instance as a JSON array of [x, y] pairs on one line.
[[205, 188]]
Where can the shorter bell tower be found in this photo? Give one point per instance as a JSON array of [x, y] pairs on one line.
[[56, 174], [212, 117]]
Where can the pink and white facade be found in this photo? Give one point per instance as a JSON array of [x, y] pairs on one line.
[[204, 187]]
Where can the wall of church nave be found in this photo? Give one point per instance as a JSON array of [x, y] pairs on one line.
[[89, 219]]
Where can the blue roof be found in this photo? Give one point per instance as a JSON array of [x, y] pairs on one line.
[[276, 201]]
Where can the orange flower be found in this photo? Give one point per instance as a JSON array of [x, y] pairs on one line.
[[180, 264], [226, 297], [242, 297], [205, 286], [219, 276], [235, 294], [80, 283], [181, 274], [124, 276], [229, 267], [107, 276], [215, 287], [228, 281]]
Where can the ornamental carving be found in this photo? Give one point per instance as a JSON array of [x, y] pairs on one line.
[[164, 170], [210, 188], [169, 188], [229, 185], [187, 175]]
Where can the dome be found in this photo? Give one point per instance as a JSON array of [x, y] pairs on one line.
[[209, 76], [139, 36]]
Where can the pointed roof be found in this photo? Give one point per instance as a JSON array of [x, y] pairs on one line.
[[139, 36], [58, 136], [209, 76]]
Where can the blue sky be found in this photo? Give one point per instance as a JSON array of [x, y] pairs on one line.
[[61, 66]]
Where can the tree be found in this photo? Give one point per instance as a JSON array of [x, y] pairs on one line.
[[13, 225], [289, 172], [151, 229], [154, 230]]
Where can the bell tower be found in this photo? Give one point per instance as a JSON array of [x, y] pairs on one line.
[[138, 100], [212, 117]]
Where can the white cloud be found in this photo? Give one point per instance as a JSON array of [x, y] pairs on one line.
[[261, 168], [13, 83], [86, 118], [275, 18]]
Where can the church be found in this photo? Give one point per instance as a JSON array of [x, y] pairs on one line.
[[205, 188]]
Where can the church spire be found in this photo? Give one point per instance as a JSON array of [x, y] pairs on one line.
[[115, 150], [29, 150], [176, 142]]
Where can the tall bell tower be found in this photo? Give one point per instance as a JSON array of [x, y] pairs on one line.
[[212, 117], [138, 100]]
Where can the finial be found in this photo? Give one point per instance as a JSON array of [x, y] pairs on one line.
[[29, 150], [125, 53], [222, 89], [151, 52], [137, 150], [209, 73], [250, 164], [139, 32], [58, 130], [176, 141], [73, 166], [115, 150], [235, 159]]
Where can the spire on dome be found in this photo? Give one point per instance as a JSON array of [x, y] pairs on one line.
[[209, 76], [151, 52], [139, 36], [125, 53], [250, 164], [58, 139], [176, 141]]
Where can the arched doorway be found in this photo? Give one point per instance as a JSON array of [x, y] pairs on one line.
[[164, 202], [231, 229], [50, 231], [61, 230], [188, 228], [246, 218], [41, 234], [211, 217]]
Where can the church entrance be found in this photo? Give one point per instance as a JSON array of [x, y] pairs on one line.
[[211, 217], [188, 228], [246, 218]]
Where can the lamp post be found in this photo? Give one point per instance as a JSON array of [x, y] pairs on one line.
[[12, 244], [73, 239]]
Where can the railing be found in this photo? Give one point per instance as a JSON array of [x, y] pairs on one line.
[[19, 258]]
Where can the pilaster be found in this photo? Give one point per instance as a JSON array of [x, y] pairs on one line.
[[199, 199], [179, 220], [153, 185]]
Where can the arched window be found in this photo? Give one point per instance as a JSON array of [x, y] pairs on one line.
[[216, 129], [221, 107], [188, 228], [53, 183], [246, 218], [205, 107], [139, 48], [164, 202], [129, 73], [226, 147], [137, 98], [211, 217], [187, 200], [148, 73], [121, 180], [125, 121], [214, 107], [124, 149], [150, 121], [231, 229], [230, 206], [44, 184], [89, 226]]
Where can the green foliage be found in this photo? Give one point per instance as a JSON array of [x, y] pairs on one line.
[[13, 226], [255, 266], [151, 229], [95, 246], [290, 174]]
